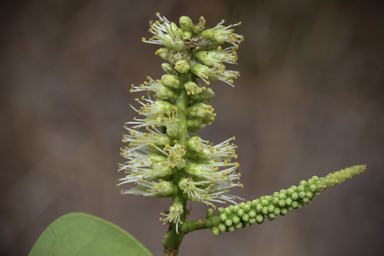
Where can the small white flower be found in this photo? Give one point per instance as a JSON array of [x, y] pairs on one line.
[[166, 33], [175, 212]]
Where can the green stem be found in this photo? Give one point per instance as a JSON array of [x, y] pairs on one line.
[[200, 224], [172, 240]]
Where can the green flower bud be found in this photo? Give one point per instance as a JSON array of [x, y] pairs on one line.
[[182, 66], [245, 217], [260, 219], [199, 70], [271, 216], [252, 220], [210, 213], [195, 124], [223, 217], [240, 212], [216, 231], [228, 222], [265, 210], [186, 23], [231, 229], [220, 210], [200, 26], [163, 53], [171, 81], [235, 219], [239, 225], [247, 207], [255, 202], [168, 68], [193, 89], [199, 110], [259, 208], [166, 93], [175, 57], [156, 158], [195, 144], [187, 35], [228, 211], [204, 96], [193, 169], [222, 227], [252, 213]]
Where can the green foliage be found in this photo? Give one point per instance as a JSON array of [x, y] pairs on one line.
[[86, 235]]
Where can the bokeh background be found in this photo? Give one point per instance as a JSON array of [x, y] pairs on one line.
[[310, 101]]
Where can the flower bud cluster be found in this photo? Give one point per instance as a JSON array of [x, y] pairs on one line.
[[247, 213], [158, 145]]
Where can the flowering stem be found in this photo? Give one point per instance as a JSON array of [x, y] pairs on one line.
[[172, 239], [200, 224]]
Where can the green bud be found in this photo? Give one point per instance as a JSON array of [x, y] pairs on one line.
[[235, 219], [222, 227], [228, 211], [216, 231], [163, 53], [187, 35], [166, 93], [231, 229], [245, 217], [239, 225], [283, 211], [156, 158], [195, 124], [171, 81], [252, 220], [199, 110], [265, 210], [205, 95], [195, 144], [200, 26], [255, 202], [182, 66], [175, 57], [252, 213], [199, 70], [168, 68], [193, 169], [247, 207], [223, 217], [260, 219], [186, 23], [220, 210], [240, 212], [228, 222], [271, 216], [210, 213]]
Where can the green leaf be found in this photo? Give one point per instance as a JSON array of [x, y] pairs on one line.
[[80, 234]]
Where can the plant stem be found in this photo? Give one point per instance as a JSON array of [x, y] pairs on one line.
[[200, 224], [172, 240]]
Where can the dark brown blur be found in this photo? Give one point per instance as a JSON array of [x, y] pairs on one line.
[[310, 100]]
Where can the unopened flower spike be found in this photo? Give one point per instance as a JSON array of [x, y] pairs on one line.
[[164, 159]]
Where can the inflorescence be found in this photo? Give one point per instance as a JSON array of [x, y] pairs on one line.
[[158, 148], [247, 213]]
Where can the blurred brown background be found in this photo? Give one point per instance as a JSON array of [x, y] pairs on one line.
[[310, 101]]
